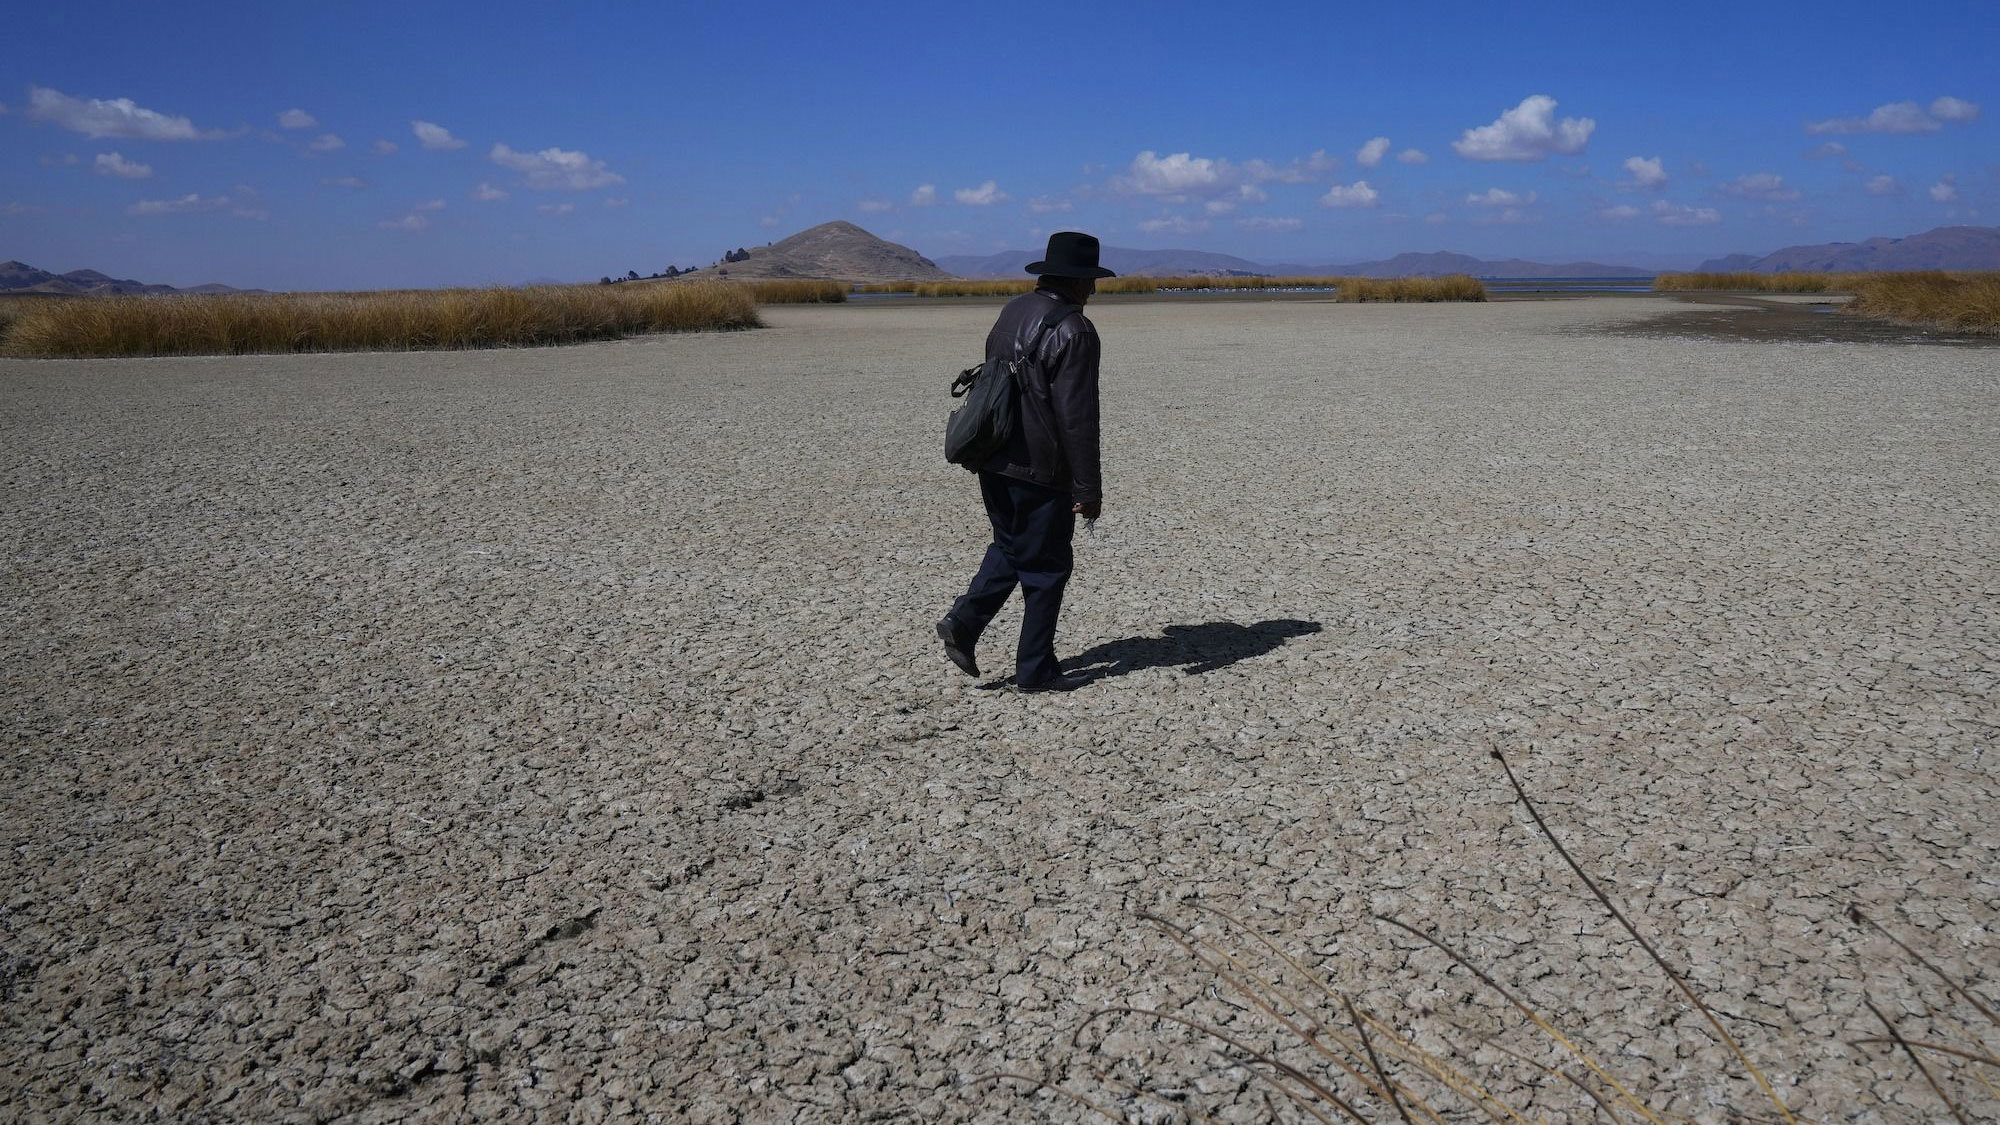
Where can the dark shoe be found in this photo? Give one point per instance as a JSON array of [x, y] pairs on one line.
[[1056, 683], [956, 646]]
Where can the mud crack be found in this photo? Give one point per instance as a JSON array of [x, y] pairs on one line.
[[561, 931], [737, 802]]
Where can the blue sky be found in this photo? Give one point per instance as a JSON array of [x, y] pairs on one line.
[[373, 145]]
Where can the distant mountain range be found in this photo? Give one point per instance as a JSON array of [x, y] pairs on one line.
[[1444, 262], [836, 250], [1123, 260], [20, 277], [1162, 263], [1946, 248]]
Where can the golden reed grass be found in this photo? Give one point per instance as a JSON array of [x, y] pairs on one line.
[[1325, 1055], [1454, 288], [1790, 281], [389, 320], [11, 311], [787, 292], [1959, 301], [1965, 302]]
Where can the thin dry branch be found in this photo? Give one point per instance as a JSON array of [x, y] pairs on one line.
[[1619, 915]]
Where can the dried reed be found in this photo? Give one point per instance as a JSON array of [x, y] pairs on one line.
[[375, 321], [789, 292], [11, 312], [1324, 1060], [1790, 281], [971, 288], [1963, 302]]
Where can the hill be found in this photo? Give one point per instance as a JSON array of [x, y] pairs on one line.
[[1945, 248], [838, 251], [20, 277]]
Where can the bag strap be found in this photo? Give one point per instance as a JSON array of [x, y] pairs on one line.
[[1063, 311]]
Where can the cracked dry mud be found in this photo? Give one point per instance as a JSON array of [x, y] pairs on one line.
[[560, 735]]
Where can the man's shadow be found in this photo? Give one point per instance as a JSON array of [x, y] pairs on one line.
[[1193, 648]]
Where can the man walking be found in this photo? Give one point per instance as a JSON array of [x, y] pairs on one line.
[[1048, 474]]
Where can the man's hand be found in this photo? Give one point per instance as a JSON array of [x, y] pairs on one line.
[[1089, 511]]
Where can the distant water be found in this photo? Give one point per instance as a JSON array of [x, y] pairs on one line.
[[1493, 285], [1568, 284]]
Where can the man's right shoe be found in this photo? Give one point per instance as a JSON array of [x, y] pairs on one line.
[[1056, 683], [956, 646]]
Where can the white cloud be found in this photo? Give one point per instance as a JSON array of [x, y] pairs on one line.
[[873, 206], [556, 208], [1760, 185], [113, 164], [185, 204], [411, 222], [296, 119], [1622, 211], [1529, 131], [1883, 185], [1895, 117], [985, 195], [1945, 190], [1357, 194], [1645, 172], [1244, 193], [1412, 156], [768, 222], [924, 195], [616, 201], [1265, 223], [429, 205], [1177, 173], [1182, 176], [327, 142], [384, 148], [435, 137], [1370, 154], [1953, 109], [1500, 197], [354, 182], [119, 117], [487, 193], [1291, 172], [1681, 215], [1826, 148], [553, 169], [1047, 204], [1174, 224]]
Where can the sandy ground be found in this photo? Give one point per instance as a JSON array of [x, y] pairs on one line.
[[560, 735]]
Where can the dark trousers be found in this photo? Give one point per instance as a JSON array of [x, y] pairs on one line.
[[1032, 531]]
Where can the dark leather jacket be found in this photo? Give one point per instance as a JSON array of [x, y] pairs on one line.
[[1055, 444]]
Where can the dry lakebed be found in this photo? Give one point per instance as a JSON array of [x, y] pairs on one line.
[[560, 735]]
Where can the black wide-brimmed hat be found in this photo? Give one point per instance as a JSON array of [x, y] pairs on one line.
[[1070, 254]]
